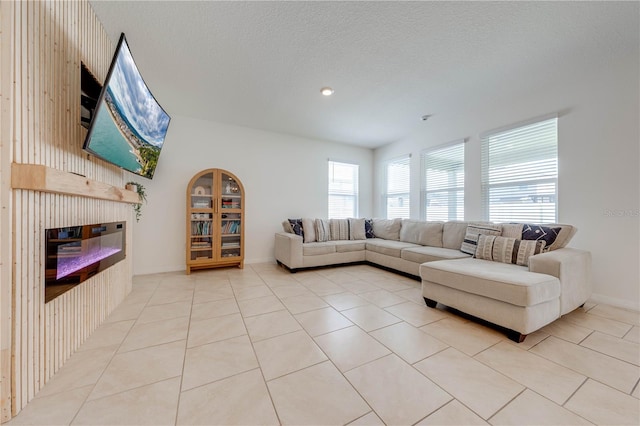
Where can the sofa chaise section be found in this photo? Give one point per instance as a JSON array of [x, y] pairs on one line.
[[519, 298]]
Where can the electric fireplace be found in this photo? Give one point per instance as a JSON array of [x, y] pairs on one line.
[[75, 254]]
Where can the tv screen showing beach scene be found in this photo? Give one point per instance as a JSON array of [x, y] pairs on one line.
[[128, 127]]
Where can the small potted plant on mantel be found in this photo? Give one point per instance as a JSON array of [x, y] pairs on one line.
[[136, 187]]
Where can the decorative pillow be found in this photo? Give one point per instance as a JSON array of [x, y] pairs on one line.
[[322, 230], [471, 237], [564, 236], [368, 228], [507, 250], [538, 232], [388, 229], [308, 230], [484, 247], [356, 229], [296, 226], [286, 226], [339, 229]]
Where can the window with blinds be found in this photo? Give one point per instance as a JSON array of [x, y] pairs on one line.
[[520, 173], [398, 188], [443, 182], [343, 190]]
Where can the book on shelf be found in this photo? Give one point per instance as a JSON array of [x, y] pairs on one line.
[[229, 203], [231, 227], [201, 228]]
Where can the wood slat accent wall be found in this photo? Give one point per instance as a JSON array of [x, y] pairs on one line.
[[43, 44]]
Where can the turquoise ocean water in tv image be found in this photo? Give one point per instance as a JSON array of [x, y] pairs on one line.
[[108, 142]]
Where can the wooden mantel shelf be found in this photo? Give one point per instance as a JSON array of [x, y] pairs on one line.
[[42, 178]]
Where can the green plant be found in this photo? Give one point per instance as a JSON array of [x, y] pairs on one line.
[[140, 189]]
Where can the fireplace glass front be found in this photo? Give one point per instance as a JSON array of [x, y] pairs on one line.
[[76, 253]]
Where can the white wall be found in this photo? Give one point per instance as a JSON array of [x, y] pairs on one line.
[[284, 176], [598, 150]]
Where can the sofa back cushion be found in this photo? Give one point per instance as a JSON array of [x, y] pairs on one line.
[[453, 234], [421, 232], [388, 229]]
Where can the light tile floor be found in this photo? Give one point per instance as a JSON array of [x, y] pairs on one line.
[[345, 345]]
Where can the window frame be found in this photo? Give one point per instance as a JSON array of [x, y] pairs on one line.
[[404, 195], [453, 212], [525, 174], [331, 191]]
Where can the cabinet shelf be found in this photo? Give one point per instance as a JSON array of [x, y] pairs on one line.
[[220, 214]]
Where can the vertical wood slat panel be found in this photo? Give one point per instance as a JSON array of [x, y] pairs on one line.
[[50, 39]]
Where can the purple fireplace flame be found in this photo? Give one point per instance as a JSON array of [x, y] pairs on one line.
[[75, 254]]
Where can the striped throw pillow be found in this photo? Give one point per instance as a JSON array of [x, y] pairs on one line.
[[507, 250]]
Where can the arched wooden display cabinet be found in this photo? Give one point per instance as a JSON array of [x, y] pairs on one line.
[[215, 220]]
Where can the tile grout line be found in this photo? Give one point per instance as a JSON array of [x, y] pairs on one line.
[[184, 357], [112, 356]]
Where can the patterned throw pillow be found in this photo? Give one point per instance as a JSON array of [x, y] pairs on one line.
[[296, 226], [368, 228], [471, 237], [507, 250], [322, 230], [538, 232]]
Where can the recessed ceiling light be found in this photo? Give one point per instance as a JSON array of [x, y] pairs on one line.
[[327, 91]]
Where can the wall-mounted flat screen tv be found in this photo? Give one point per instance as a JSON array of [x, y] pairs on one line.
[[129, 126]]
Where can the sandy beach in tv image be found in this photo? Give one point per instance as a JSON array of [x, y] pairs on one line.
[[130, 125]]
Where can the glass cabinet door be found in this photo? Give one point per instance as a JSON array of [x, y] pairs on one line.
[[202, 218], [230, 216]]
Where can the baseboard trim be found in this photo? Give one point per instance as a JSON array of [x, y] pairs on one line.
[[613, 301]]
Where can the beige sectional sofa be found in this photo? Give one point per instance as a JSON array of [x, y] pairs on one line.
[[519, 297]]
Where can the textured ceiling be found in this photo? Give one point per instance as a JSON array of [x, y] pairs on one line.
[[262, 64]]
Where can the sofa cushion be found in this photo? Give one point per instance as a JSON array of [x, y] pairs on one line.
[[388, 247], [501, 281], [309, 230], [356, 229], [421, 232], [387, 229], [317, 249], [507, 250], [453, 234], [473, 231], [322, 230], [430, 254], [347, 246], [339, 229]]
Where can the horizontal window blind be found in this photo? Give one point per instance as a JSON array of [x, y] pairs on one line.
[[398, 188], [443, 183], [343, 190], [520, 173]]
